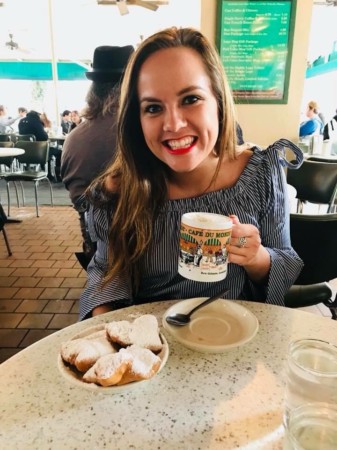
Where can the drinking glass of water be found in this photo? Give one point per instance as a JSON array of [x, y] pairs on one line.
[[311, 374], [312, 426]]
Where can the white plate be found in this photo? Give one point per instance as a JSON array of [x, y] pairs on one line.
[[217, 327], [73, 375]]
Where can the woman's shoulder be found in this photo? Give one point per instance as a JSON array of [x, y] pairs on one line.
[[112, 183], [103, 192]]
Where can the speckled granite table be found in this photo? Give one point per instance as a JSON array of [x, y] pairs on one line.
[[222, 401]]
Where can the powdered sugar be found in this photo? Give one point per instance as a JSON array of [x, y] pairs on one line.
[[107, 365], [143, 360], [143, 332]]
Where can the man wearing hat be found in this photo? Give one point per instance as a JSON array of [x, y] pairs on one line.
[[91, 145]]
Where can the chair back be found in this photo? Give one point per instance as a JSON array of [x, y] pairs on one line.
[[327, 159], [314, 238], [36, 152], [13, 136], [315, 182], [7, 144], [4, 138], [26, 137]]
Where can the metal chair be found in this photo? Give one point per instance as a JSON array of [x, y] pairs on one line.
[[4, 138], [3, 220], [14, 137], [7, 164], [315, 182], [331, 159], [314, 238], [36, 153], [26, 137]]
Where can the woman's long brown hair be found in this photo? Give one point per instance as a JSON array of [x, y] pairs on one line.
[[139, 179]]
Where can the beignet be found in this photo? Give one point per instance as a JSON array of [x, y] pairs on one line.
[[84, 352], [143, 331]]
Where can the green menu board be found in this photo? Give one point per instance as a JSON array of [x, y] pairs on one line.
[[255, 43]]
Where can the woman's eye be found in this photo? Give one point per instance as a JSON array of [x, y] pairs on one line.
[[190, 99], [152, 109]]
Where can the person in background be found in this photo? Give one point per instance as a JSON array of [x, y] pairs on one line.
[[330, 133], [177, 152], [33, 124], [75, 119], [22, 112], [312, 124], [66, 121], [91, 145], [54, 161], [5, 121], [46, 122]]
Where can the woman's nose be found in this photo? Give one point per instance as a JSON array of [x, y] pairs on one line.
[[173, 120]]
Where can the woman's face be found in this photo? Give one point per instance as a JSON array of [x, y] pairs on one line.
[[75, 117], [178, 110]]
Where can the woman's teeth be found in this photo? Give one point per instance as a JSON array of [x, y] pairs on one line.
[[180, 143]]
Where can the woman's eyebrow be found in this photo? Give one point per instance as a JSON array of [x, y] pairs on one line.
[[148, 99], [181, 92], [190, 88]]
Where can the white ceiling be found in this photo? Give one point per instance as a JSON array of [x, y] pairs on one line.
[[79, 26]]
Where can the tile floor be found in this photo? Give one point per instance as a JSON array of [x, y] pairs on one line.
[[41, 282]]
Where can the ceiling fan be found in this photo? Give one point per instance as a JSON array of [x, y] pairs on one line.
[[11, 49], [13, 46], [122, 5], [325, 2]]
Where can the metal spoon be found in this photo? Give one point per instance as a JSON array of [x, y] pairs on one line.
[[183, 319]]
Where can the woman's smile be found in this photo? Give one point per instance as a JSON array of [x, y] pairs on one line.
[[180, 146]]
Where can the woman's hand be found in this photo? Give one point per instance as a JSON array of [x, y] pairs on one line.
[[245, 249]]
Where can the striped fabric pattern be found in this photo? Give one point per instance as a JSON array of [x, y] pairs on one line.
[[259, 197]]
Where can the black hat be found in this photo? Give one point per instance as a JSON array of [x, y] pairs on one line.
[[109, 63]]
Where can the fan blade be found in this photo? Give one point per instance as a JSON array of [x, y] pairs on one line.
[[145, 4], [123, 9], [24, 50]]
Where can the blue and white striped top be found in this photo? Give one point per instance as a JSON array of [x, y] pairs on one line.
[[259, 197]]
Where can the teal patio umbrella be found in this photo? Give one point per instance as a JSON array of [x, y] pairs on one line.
[[41, 70]]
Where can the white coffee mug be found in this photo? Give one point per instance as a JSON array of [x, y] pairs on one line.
[[203, 246]]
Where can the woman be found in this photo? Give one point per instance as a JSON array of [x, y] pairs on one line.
[[177, 153], [46, 122], [312, 124], [75, 119]]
